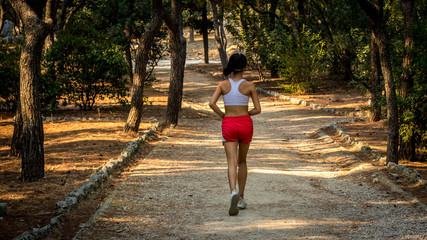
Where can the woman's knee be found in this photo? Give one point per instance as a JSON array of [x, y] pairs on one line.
[[241, 161]]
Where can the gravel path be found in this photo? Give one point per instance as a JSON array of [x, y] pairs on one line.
[[298, 187]]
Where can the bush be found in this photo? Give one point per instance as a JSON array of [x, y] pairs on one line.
[[82, 68], [299, 60], [9, 76], [414, 108]]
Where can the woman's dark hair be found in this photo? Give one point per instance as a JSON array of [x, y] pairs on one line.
[[236, 63]]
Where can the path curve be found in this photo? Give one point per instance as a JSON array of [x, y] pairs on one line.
[[298, 187]]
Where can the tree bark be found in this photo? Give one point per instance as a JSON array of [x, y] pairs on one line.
[[292, 18], [51, 10], [16, 145], [407, 149], [191, 39], [221, 39], [2, 13], [205, 32], [177, 44], [61, 16], [32, 124], [274, 64], [375, 15], [128, 51], [375, 87], [409, 16], [141, 60]]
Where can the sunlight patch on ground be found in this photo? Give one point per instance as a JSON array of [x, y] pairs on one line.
[[276, 224], [301, 173]]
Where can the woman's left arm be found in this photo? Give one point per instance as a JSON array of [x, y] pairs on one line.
[[257, 106]]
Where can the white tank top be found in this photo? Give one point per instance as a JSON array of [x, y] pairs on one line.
[[234, 97]]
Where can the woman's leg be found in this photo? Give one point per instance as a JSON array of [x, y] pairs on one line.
[[231, 153], [243, 169]]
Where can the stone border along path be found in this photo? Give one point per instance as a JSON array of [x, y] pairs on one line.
[[107, 202], [79, 119], [413, 175], [410, 174], [95, 181]]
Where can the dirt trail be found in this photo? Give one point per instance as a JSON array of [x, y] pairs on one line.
[[298, 187]]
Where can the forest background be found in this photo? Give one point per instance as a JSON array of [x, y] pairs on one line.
[[74, 55]]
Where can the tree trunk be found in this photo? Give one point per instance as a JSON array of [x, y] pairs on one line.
[[392, 112], [16, 145], [409, 16], [141, 60], [60, 21], [177, 45], [205, 32], [221, 39], [274, 64], [191, 40], [407, 149], [375, 87], [32, 125], [294, 23], [2, 13], [375, 14], [128, 56], [51, 10]]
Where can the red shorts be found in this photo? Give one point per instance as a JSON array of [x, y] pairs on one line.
[[237, 129]]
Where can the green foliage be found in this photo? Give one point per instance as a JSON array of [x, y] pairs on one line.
[[82, 67], [301, 59], [9, 76], [251, 32], [193, 16], [414, 108]]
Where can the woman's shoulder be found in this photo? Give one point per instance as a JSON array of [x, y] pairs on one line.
[[224, 83], [247, 84]]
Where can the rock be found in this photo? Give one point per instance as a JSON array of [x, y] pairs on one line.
[[414, 177], [366, 149], [3, 209], [407, 172], [375, 164], [422, 182], [395, 175], [7, 31], [391, 165], [400, 167], [375, 180]]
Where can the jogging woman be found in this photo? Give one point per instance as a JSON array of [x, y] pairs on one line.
[[237, 128]]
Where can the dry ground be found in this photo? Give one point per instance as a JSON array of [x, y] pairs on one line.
[[335, 94], [299, 187], [74, 149]]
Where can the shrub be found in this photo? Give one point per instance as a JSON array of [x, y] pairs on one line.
[[299, 60], [83, 68], [9, 76]]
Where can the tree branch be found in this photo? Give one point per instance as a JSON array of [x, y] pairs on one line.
[[369, 9], [74, 11], [270, 13]]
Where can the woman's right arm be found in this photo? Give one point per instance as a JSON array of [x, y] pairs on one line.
[[214, 100]]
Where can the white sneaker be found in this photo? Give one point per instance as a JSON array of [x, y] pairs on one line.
[[234, 210], [242, 204]]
